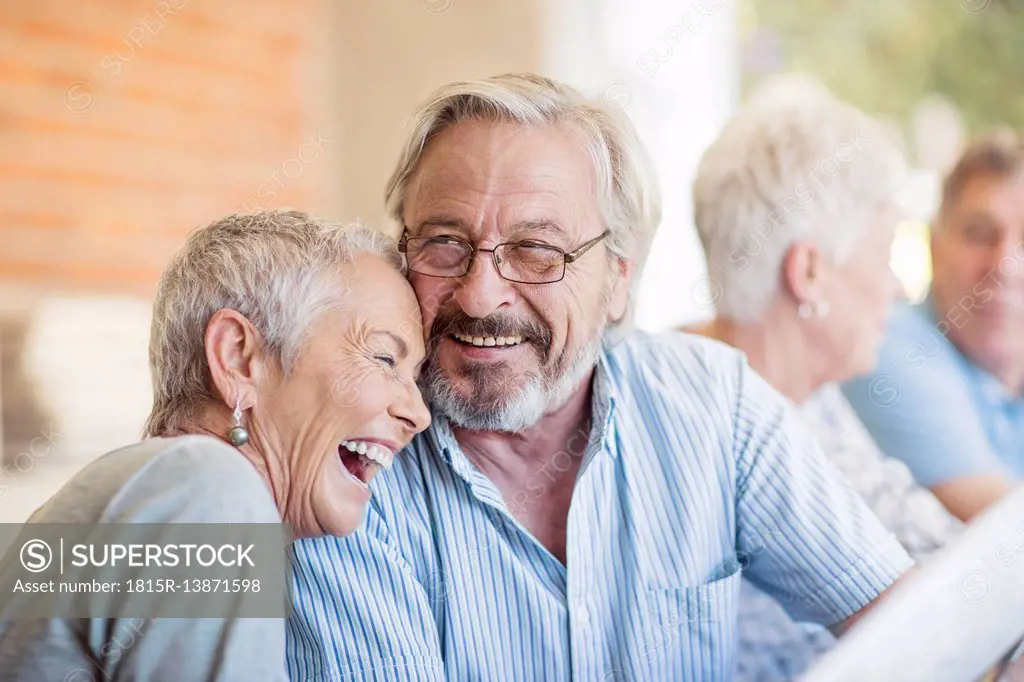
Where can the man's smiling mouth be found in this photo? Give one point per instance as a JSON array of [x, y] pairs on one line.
[[489, 341]]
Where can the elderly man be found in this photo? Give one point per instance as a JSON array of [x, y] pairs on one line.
[[946, 396], [586, 497]]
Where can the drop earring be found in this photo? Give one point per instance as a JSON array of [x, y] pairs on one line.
[[804, 311], [238, 435]]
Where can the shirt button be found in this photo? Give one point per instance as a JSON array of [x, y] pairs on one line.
[[583, 616]]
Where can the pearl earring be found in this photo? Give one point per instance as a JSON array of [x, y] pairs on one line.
[[805, 310], [238, 435]]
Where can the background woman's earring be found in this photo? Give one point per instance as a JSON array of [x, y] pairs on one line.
[[804, 311], [821, 309], [238, 435]]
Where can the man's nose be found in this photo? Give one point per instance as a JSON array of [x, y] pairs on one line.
[[482, 290]]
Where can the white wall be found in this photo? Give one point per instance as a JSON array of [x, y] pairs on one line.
[[390, 56], [674, 68]]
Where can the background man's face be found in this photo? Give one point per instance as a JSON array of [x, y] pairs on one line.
[[978, 262], [488, 183]]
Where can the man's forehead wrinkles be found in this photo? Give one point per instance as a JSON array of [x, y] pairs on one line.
[[447, 196], [541, 178], [497, 186], [462, 212]]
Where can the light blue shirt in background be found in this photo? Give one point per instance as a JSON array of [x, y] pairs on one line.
[[694, 474], [930, 406]]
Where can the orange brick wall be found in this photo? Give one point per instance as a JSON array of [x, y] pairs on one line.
[[126, 123]]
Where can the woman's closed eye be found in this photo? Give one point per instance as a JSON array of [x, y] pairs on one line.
[[388, 360]]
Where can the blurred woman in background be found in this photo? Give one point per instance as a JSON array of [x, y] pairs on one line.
[[284, 354], [795, 203]]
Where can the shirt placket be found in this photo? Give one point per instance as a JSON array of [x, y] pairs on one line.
[[586, 629]]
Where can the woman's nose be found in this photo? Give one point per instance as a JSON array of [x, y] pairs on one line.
[[412, 411]]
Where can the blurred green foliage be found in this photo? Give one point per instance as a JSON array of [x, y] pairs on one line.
[[886, 55]]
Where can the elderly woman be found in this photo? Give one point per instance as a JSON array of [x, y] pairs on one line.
[[795, 206], [284, 355]]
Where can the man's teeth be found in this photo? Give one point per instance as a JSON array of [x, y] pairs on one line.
[[490, 340], [373, 452]]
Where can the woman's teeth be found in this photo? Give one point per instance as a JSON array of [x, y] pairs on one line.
[[489, 340], [373, 452]]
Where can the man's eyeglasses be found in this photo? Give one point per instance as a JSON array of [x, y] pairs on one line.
[[523, 262]]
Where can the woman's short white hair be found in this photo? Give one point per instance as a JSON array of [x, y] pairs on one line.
[[795, 164], [278, 268], [627, 188]]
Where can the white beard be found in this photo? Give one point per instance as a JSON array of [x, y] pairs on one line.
[[520, 410]]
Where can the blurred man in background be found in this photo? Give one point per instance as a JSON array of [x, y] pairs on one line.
[[946, 395]]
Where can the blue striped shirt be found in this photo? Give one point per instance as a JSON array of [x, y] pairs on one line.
[[695, 472]]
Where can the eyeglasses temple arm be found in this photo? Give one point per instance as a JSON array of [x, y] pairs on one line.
[[574, 255]]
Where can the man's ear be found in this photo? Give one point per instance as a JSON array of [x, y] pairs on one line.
[[234, 355], [622, 272], [803, 272]]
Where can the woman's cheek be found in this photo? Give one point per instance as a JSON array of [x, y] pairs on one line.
[[349, 388], [377, 398], [368, 402]]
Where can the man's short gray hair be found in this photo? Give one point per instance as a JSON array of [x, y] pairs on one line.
[[794, 164], [999, 153], [278, 268], [627, 189]]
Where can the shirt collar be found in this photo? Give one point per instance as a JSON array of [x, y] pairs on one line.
[[992, 390], [603, 406]]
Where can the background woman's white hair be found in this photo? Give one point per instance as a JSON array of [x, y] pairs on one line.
[[278, 268], [627, 188], [794, 164]]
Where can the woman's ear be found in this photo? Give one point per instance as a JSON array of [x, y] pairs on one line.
[[803, 273], [233, 354]]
